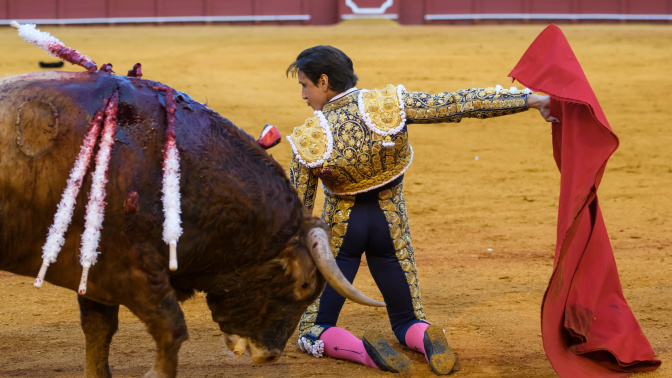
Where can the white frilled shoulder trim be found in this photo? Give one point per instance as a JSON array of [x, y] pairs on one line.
[[383, 111], [312, 147]]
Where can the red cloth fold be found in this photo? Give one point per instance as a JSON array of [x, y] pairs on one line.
[[587, 326]]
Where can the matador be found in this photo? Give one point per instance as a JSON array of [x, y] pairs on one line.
[[357, 145]]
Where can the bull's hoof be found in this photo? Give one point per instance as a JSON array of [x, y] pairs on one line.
[[157, 374], [440, 357], [383, 355]]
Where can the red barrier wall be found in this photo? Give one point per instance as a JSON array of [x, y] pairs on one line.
[[79, 9], [547, 6], [324, 12], [545, 10], [128, 8], [237, 11]]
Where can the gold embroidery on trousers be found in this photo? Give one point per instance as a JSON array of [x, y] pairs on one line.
[[307, 325], [304, 182], [394, 207], [336, 214]]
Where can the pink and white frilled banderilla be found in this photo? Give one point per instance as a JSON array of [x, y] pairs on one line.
[[63, 217], [95, 210], [171, 181], [53, 46]]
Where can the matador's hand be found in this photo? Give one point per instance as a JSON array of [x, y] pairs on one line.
[[543, 104]]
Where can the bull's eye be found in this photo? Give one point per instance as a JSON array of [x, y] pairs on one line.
[[304, 285]]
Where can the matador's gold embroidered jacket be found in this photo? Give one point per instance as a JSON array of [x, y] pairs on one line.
[[359, 142]]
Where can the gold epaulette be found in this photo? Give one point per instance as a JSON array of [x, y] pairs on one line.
[[382, 110], [311, 143]]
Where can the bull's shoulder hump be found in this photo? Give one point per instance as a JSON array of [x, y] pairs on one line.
[[45, 75]]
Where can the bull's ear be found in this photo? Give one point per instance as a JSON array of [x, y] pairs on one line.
[[298, 264]]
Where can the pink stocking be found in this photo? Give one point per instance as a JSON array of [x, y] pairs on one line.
[[339, 343], [415, 337]]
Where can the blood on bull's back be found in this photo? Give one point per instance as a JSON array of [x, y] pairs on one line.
[[44, 119]]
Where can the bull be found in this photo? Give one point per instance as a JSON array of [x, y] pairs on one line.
[[248, 242]]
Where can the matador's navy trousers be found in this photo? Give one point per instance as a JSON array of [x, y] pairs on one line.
[[369, 231]]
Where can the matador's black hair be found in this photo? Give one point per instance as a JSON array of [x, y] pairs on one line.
[[328, 60]]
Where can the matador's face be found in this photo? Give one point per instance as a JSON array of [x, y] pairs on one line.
[[315, 95]]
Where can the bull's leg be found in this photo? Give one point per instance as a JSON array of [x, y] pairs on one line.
[[152, 299], [165, 322], [99, 323]]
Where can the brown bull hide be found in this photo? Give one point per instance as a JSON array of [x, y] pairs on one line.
[[243, 225]]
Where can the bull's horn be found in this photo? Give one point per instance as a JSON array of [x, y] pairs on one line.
[[318, 245]]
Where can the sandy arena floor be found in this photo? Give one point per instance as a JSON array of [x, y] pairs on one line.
[[482, 195]]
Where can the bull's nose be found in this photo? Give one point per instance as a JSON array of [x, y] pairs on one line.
[[270, 359]]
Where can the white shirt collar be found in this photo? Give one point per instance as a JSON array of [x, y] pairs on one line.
[[343, 94]]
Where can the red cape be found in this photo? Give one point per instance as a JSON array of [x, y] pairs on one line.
[[587, 326]]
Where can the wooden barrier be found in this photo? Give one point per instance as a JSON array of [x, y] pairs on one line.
[[324, 12]]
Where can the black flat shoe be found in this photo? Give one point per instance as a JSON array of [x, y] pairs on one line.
[[441, 358], [383, 355]]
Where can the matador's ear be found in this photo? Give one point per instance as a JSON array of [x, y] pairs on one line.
[[323, 82]]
